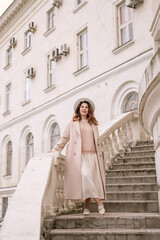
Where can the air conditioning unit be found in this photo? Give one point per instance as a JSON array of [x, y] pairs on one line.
[[12, 42], [133, 3], [55, 56], [64, 50], [30, 72], [32, 27], [57, 3]]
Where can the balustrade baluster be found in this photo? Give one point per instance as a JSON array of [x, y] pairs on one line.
[[124, 136], [130, 134], [115, 143]]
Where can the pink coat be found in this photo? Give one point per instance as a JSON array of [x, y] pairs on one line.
[[73, 186]]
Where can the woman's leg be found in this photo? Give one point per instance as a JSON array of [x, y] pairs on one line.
[[87, 203], [97, 200]]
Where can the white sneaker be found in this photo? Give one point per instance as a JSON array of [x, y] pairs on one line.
[[86, 211], [101, 209]]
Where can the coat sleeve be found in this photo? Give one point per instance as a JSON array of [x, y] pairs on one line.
[[63, 140]]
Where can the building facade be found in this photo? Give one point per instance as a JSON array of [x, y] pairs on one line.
[[51, 54]]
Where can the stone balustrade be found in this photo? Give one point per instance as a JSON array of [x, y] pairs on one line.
[[39, 194], [121, 132], [149, 106]]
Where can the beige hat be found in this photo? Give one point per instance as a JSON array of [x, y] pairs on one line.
[[82, 100]]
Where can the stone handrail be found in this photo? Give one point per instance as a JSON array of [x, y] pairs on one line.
[[148, 84], [40, 193], [119, 134]]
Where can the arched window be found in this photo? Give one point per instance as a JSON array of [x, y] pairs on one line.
[[29, 147], [9, 158], [54, 135], [130, 102]]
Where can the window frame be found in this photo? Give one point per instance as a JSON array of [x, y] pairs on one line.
[[51, 71], [29, 146], [27, 39], [117, 47], [9, 155], [82, 51], [125, 24], [52, 10], [8, 97], [55, 137], [9, 56]]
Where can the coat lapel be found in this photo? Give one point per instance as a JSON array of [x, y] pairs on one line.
[[76, 126], [94, 127]]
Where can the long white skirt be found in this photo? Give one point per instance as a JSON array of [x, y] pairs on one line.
[[92, 186]]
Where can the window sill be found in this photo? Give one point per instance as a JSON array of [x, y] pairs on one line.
[[7, 176], [124, 46], [79, 6], [49, 31], [6, 113], [26, 102], [7, 66], [26, 51], [80, 70], [49, 88]]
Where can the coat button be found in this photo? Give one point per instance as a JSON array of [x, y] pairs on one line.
[[98, 144], [74, 153], [75, 142]]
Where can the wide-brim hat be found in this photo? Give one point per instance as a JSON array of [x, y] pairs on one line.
[[82, 100]]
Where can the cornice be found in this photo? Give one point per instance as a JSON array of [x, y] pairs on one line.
[[11, 12]]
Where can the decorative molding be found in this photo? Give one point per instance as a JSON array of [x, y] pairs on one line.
[[81, 70], [7, 66], [49, 88], [79, 6], [10, 13], [49, 31], [25, 102], [154, 29], [26, 51], [6, 113], [123, 47], [79, 88]]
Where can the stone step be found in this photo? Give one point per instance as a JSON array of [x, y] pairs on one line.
[[128, 206], [105, 234], [108, 221], [125, 159], [132, 179], [140, 153], [132, 187], [143, 147], [131, 172], [139, 165], [132, 195], [144, 143]]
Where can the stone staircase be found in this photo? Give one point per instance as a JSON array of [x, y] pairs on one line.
[[132, 211]]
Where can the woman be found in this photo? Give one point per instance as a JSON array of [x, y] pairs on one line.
[[85, 170]]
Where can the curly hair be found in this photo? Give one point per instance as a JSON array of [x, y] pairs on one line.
[[90, 116]]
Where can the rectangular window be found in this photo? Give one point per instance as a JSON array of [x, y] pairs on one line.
[[27, 39], [125, 24], [51, 18], [27, 88], [4, 206], [83, 49], [51, 67], [9, 56], [8, 97]]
